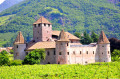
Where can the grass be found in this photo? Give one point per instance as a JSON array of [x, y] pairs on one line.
[[54, 71], [5, 19]]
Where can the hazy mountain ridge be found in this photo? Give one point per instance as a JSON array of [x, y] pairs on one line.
[[8, 3], [73, 16]]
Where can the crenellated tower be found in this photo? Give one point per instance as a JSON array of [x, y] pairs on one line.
[[104, 48], [62, 45], [19, 47], [42, 30]]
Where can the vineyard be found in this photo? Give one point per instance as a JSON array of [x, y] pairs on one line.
[[94, 71]]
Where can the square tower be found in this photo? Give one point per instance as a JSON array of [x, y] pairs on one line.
[[42, 30]]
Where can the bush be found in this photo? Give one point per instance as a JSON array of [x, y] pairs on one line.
[[35, 56], [15, 62], [4, 52], [4, 59], [115, 55]]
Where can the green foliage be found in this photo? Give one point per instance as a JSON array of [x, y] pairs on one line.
[[11, 51], [35, 56], [4, 59], [94, 36], [4, 52], [73, 16], [86, 38], [54, 71], [115, 55], [15, 62], [77, 34]]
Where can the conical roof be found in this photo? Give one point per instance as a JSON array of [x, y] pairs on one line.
[[102, 38], [19, 39], [62, 36], [42, 20]]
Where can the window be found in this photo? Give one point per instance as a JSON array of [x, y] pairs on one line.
[[17, 46], [87, 52], [58, 62], [93, 52], [61, 44], [44, 24], [37, 37], [48, 63], [80, 52], [35, 25], [108, 52], [102, 52], [67, 53], [26, 53], [38, 31], [38, 25], [60, 53], [47, 31], [67, 44], [54, 52], [86, 62], [48, 53], [48, 25], [102, 46], [74, 52]]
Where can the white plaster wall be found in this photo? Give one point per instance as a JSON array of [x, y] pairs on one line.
[[20, 50]]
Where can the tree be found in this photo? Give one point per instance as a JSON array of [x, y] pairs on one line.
[[86, 39], [35, 56], [77, 34], [4, 59], [115, 55], [94, 36]]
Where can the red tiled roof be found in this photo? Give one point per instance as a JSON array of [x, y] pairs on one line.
[[42, 20]]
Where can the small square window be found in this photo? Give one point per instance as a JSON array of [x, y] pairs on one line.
[[87, 52], [60, 53], [67, 53], [74, 52], [48, 53], [38, 25], [80, 52], [48, 25], [17, 46], [44, 24]]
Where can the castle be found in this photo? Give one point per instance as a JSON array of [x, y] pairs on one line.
[[61, 47]]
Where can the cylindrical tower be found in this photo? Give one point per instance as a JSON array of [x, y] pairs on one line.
[[104, 48], [19, 47], [61, 49]]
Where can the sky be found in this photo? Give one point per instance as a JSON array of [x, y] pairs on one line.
[[1, 1]]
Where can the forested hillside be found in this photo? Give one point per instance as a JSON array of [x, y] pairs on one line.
[[71, 15]]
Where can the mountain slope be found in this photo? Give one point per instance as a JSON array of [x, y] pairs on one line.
[[8, 3], [73, 16]]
